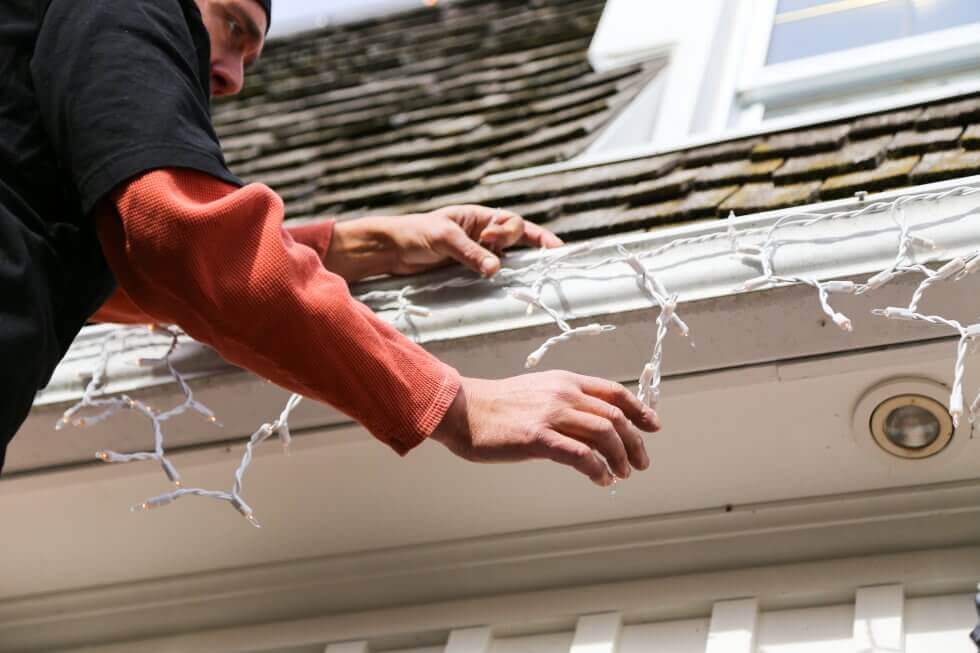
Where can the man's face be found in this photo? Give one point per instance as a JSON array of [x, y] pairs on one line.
[[237, 30]]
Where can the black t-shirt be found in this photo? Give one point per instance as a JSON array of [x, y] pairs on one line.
[[92, 93]]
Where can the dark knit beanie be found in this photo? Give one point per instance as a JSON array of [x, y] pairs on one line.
[[267, 5]]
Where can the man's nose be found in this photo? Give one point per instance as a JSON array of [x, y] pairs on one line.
[[227, 78]]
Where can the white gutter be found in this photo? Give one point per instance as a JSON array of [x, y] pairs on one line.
[[483, 331]]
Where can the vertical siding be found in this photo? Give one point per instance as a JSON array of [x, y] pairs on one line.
[[879, 620]]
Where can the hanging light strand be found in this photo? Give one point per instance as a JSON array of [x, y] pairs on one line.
[[755, 247]]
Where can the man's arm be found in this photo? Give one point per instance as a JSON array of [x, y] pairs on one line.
[[367, 247], [191, 250]]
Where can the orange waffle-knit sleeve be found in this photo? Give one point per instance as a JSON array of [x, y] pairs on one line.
[[120, 309], [191, 250]]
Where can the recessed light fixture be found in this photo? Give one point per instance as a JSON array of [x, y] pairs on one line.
[[911, 426], [903, 423]]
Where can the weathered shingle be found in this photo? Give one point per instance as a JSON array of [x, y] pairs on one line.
[[885, 123], [737, 172], [890, 174], [801, 142], [971, 138], [947, 165], [755, 198], [729, 151], [856, 156], [920, 142], [947, 114]]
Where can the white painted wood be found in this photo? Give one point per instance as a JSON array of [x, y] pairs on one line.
[[635, 30], [808, 630], [879, 614], [937, 624], [347, 647], [598, 633], [684, 636], [635, 123], [469, 640], [546, 643], [733, 626], [940, 624]]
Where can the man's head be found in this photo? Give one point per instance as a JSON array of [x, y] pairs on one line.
[[237, 29]]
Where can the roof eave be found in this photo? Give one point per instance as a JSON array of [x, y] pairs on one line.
[[483, 331]]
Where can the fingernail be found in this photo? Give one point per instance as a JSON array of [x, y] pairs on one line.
[[488, 266]]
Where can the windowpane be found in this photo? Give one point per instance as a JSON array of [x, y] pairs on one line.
[[786, 6], [806, 28]]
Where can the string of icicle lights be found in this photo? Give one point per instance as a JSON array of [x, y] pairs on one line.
[[755, 247]]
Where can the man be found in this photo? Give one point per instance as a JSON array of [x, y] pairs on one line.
[[115, 202]]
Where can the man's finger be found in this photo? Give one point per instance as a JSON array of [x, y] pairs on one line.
[[615, 394], [631, 436], [564, 450], [457, 245], [504, 229], [599, 434], [536, 236]]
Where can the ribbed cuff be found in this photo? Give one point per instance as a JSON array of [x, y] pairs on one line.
[[445, 394], [316, 235]]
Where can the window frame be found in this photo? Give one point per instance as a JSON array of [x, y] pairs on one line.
[[760, 86], [705, 106]]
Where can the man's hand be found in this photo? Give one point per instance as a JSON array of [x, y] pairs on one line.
[[469, 234], [557, 416]]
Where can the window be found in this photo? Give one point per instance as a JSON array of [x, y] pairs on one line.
[[807, 28], [734, 67], [806, 55]]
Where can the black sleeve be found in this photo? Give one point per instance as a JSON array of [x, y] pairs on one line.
[[123, 88]]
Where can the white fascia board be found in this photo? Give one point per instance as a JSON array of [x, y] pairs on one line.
[[484, 332]]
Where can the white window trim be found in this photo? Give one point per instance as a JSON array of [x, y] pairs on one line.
[[911, 57], [740, 85]]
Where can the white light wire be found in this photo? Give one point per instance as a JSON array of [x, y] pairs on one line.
[[527, 285]]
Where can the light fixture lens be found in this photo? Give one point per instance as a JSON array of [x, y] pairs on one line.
[[911, 427]]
